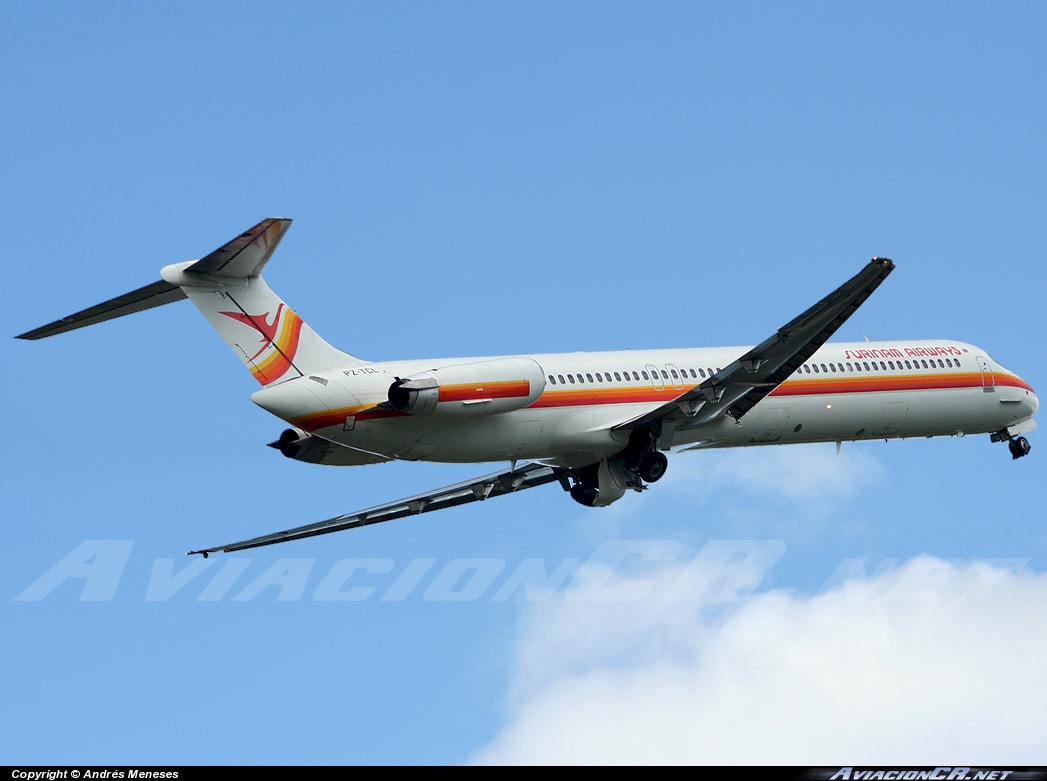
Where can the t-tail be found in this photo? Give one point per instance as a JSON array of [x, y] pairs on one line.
[[273, 342]]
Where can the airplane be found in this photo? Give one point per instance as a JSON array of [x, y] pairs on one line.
[[597, 423]]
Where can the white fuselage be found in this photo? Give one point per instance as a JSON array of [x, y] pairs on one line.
[[566, 409]]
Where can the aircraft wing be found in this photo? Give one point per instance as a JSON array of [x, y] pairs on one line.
[[156, 294], [735, 389], [496, 484]]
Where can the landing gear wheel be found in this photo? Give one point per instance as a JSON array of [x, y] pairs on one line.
[[653, 466], [583, 494], [1019, 447]]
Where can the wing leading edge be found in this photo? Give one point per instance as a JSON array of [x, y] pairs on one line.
[[737, 388], [476, 490]]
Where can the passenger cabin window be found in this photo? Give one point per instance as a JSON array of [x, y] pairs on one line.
[[560, 376], [618, 377], [570, 378], [589, 377], [552, 380]]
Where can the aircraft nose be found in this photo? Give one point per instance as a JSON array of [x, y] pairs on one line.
[[1029, 401]]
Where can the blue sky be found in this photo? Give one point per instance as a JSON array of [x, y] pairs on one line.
[[478, 179]]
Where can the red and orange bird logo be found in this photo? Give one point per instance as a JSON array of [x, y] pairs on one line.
[[281, 336]]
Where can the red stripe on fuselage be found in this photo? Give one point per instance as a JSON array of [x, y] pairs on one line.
[[336, 417]]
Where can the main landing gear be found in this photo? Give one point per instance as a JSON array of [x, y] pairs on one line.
[[1019, 446], [653, 466], [584, 494], [604, 483]]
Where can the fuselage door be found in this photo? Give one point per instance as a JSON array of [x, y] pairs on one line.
[[656, 378], [772, 425], [674, 375], [894, 413], [988, 381]]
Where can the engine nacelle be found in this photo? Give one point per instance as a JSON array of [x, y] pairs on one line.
[[470, 389], [303, 446]]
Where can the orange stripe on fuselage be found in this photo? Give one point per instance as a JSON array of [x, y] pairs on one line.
[[581, 397], [810, 386], [336, 417], [473, 391], [586, 396], [1014, 382]]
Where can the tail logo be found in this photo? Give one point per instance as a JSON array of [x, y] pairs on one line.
[[279, 340]]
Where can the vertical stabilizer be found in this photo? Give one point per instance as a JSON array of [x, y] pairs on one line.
[[266, 334], [227, 286]]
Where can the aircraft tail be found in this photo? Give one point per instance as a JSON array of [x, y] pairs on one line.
[[267, 335]]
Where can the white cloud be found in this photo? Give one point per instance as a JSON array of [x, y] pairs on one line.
[[778, 491], [809, 474], [870, 672]]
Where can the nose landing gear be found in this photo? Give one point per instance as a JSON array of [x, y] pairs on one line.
[[1019, 447]]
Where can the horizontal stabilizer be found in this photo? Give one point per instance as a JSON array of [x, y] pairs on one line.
[[242, 258], [245, 256], [156, 294]]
